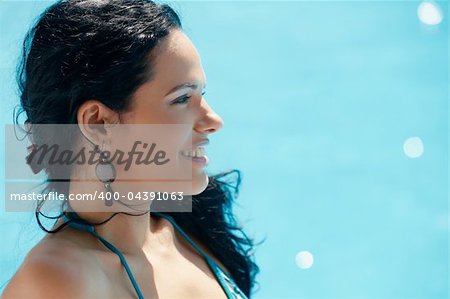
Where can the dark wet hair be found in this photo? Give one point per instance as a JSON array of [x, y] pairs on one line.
[[102, 49]]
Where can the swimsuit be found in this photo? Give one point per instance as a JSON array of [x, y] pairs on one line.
[[226, 282]]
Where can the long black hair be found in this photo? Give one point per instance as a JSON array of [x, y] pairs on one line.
[[84, 49]]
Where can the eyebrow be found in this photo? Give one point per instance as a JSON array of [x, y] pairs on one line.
[[190, 85]]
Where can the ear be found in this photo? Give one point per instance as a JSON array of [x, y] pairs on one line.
[[95, 119]]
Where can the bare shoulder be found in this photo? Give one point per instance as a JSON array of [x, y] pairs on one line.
[[48, 271]]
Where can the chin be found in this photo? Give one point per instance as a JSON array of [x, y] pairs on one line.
[[199, 183]]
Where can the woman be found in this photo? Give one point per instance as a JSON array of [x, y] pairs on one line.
[[118, 61]]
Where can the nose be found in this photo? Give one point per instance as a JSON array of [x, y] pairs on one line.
[[209, 121]]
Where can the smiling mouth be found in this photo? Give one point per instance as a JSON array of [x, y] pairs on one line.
[[198, 152]]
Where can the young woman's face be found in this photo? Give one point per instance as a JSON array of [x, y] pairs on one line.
[[174, 96]]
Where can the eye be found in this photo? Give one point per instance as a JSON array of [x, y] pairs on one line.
[[181, 100]]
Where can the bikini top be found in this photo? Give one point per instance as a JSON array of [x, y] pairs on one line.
[[227, 283]]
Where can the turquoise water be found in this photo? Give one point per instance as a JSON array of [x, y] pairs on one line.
[[318, 99]]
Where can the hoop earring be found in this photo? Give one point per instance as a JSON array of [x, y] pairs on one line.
[[106, 173]]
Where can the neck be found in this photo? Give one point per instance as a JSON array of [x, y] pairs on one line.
[[129, 233]]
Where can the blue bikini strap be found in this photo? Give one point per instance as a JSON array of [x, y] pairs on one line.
[[220, 273], [216, 268], [91, 229]]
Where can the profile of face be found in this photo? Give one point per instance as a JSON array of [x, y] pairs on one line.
[[173, 96]]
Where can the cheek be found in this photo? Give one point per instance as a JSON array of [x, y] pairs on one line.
[[148, 115], [177, 115], [144, 112]]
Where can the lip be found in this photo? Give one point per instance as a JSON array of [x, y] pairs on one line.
[[202, 142], [202, 161]]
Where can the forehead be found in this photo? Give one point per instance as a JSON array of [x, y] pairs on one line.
[[176, 61]]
